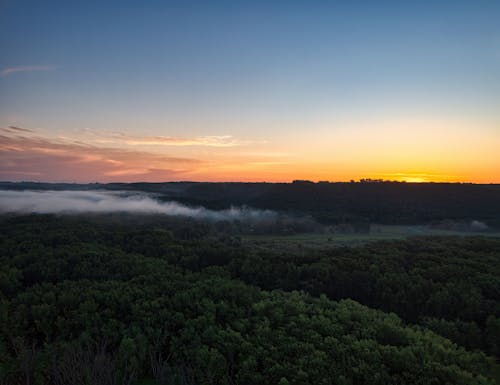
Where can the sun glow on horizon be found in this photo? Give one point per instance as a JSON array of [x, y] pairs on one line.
[[36, 155]]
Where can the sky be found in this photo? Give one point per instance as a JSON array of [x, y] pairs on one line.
[[249, 91]]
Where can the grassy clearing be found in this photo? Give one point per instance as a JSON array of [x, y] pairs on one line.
[[377, 233]]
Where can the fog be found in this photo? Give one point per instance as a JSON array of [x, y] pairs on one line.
[[99, 201]]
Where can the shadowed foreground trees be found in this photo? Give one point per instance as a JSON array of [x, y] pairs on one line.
[[81, 303], [450, 285]]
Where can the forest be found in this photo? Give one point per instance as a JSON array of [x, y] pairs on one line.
[[370, 201], [130, 299], [249, 192]]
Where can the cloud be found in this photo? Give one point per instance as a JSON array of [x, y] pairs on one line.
[[12, 70], [134, 140], [13, 130], [97, 201], [19, 129], [211, 141], [24, 154], [89, 156]]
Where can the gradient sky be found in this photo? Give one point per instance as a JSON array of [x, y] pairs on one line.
[[251, 91]]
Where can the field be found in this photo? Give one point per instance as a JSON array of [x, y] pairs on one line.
[[377, 233]]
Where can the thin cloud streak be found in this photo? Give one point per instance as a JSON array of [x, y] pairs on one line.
[[134, 140], [12, 70], [13, 130], [210, 141], [19, 129]]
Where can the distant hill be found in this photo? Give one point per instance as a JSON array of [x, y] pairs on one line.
[[373, 201]]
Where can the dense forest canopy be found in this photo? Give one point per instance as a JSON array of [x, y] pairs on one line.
[[113, 299]]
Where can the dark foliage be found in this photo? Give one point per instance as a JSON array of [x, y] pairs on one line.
[[329, 203], [89, 301]]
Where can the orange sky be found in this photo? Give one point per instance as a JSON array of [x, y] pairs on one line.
[[404, 149]]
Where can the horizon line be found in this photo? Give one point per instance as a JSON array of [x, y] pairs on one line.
[[294, 181]]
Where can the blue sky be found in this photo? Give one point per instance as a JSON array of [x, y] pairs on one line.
[[259, 71]]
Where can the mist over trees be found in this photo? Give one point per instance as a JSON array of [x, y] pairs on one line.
[[328, 203]]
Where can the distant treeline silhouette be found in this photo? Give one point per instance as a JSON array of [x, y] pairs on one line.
[[329, 203]]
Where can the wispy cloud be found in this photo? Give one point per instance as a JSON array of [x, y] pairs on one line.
[[135, 140], [89, 156], [14, 129], [24, 153], [12, 70], [211, 141]]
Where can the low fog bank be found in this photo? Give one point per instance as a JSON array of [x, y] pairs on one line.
[[73, 202]]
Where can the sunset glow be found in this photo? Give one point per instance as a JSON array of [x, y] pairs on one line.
[[170, 93]]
